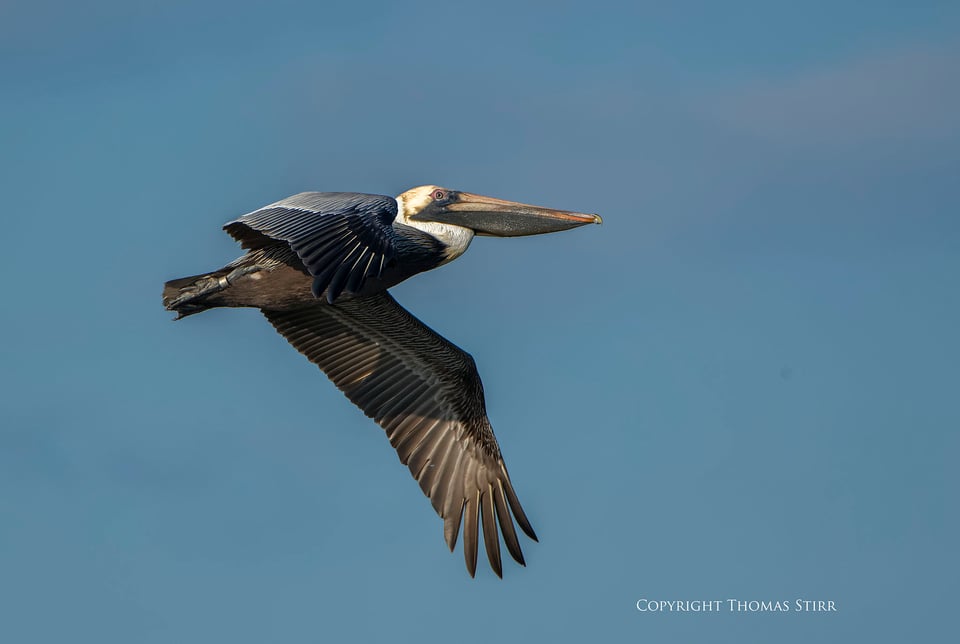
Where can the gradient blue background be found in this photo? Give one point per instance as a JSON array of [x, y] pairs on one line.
[[743, 385]]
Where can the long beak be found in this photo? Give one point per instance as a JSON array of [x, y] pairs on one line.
[[489, 216]]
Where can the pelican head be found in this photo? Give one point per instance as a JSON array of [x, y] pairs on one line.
[[486, 215]]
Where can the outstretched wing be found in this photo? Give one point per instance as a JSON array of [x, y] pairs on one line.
[[343, 238], [426, 393]]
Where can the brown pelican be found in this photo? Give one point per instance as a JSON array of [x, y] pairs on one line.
[[319, 265]]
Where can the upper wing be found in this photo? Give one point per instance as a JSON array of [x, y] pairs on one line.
[[343, 238], [426, 393]]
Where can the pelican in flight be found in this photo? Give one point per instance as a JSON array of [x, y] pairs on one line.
[[318, 265]]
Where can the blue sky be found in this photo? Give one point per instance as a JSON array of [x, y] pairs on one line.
[[743, 385]]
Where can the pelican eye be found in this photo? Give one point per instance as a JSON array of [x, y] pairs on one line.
[[438, 195]]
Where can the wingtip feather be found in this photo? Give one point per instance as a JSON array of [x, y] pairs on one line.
[[470, 534], [491, 537]]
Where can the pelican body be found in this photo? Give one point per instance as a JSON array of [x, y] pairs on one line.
[[318, 265]]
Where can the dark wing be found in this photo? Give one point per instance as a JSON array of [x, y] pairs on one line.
[[426, 393], [343, 238]]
